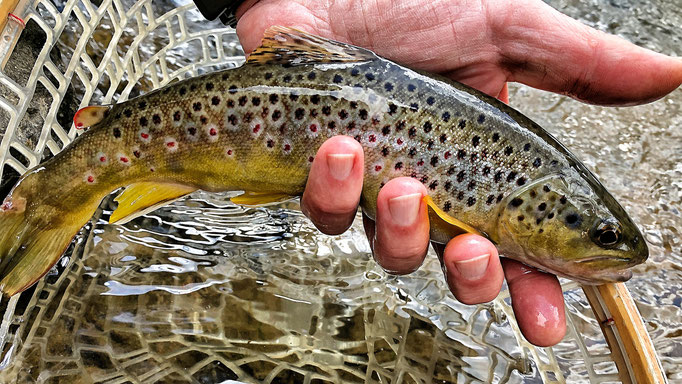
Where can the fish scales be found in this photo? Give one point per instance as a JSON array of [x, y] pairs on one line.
[[258, 128]]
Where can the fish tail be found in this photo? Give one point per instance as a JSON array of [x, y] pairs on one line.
[[30, 245]]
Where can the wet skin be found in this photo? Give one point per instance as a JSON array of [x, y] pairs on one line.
[[483, 44]]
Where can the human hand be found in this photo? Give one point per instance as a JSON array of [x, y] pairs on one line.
[[483, 44]]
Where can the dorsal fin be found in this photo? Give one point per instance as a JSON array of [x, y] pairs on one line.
[[290, 46]]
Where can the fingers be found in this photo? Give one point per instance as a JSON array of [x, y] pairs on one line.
[[401, 234], [334, 185], [538, 303], [548, 50], [472, 269]]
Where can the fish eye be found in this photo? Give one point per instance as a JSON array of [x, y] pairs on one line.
[[607, 234]]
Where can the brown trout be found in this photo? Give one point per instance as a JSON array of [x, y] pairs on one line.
[[488, 169]]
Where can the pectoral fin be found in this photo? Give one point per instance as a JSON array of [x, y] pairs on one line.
[[443, 222], [141, 198], [260, 198]]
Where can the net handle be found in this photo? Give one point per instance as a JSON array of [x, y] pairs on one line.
[[624, 330]]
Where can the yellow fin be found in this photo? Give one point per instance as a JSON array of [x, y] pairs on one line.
[[290, 46], [445, 222], [89, 116], [260, 198], [141, 198]]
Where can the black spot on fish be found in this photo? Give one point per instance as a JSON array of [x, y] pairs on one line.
[[313, 113], [447, 185], [117, 133], [460, 195], [299, 113], [315, 99], [537, 162], [331, 125], [553, 163], [156, 119], [545, 188], [337, 78], [248, 116], [388, 87], [142, 105], [363, 114], [353, 105], [516, 202], [473, 157], [429, 145], [386, 130], [215, 100], [369, 76], [471, 201], [203, 119], [127, 112], [183, 91], [433, 185], [447, 206], [274, 98], [230, 103], [392, 108], [460, 176], [358, 138], [233, 119], [508, 150], [209, 86], [286, 78], [384, 151], [486, 170], [434, 161], [520, 218], [526, 147], [412, 152], [226, 76], [268, 75], [177, 116], [312, 76], [533, 194], [276, 115], [573, 220], [343, 114], [412, 131], [445, 116], [430, 100], [193, 87], [562, 200], [427, 127], [475, 141], [354, 72], [242, 102], [462, 124], [499, 197], [498, 176], [542, 206], [192, 131], [414, 106], [551, 215], [471, 185], [496, 137], [511, 176], [197, 106], [351, 126], [451, 170], [399, 126], [411, 87], [443, 138], [231, 90], [255, 101], [143, 121], [137, 153], [461, 154], [490, 199], [481, 118], [398, 166], [424, 179], [521, 181]]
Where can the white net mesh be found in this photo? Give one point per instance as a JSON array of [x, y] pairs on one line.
[[206, 326]]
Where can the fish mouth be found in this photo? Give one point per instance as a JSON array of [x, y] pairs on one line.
[[613, 259], [604, 269]]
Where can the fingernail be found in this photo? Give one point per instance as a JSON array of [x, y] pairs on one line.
[[474, 268], [340, 165], [405, 209]]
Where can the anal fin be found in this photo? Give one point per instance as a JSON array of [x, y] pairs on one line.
[[254, 199], [449, 225], [141, 198]]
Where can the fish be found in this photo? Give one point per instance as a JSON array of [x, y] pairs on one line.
[[256, 128]]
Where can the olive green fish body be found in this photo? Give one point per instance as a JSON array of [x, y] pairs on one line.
[[258, 127]]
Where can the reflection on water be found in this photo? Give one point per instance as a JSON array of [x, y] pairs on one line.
[[204, 291]]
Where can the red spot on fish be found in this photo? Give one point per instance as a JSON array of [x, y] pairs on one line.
[[420, 163], [212, 132], [91, 179], [6, 206], [256, 128], [170, 144], [229, 152], [287, 147], [144, 135], [313, 128], [124, 159], [377, 168], [372, 138], [399, 141], [103, 159], [79, 126], [447, 155]]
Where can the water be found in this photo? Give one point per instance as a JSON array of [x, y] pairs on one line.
[[205, 291]]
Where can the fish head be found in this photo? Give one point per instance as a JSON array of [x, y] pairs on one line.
[[568, 224]]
